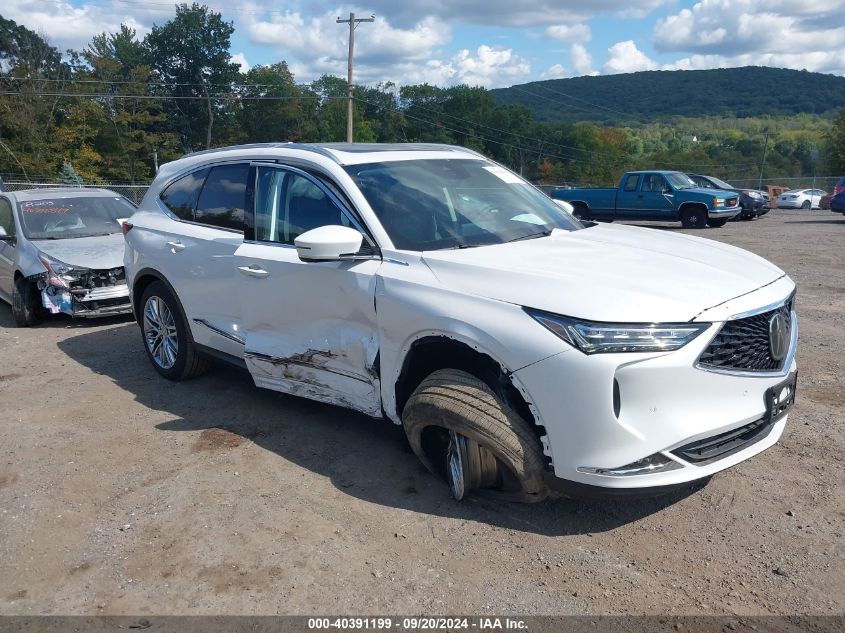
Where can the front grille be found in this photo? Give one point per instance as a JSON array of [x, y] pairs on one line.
[[720, 446], [743, 344]]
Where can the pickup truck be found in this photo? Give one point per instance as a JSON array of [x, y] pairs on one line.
[[654, 195]]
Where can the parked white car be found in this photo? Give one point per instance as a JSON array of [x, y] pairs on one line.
[[801, 199], [523, 351]]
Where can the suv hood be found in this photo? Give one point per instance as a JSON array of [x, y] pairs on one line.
[[607, 273], [97, 253]]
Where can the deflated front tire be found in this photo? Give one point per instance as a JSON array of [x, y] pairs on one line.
[[464, 432]]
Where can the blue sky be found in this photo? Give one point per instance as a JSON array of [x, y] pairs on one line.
[[487, 42]]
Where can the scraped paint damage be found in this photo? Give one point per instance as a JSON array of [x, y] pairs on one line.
[[330, 375]]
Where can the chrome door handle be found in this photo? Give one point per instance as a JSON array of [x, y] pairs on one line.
[[253, 270], [176, 247]]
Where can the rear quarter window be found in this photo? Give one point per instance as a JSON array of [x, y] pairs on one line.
[[181, 195]]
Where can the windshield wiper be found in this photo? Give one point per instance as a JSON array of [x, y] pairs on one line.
[[531, 236]]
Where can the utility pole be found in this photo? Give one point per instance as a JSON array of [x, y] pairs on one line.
[[763, 162], [353, 23]]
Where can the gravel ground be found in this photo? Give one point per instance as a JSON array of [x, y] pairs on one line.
[[122, 493]]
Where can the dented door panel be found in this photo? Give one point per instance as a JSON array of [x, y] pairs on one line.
[[311, 327]]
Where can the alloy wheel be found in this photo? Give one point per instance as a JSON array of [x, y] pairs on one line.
[[160, 333]]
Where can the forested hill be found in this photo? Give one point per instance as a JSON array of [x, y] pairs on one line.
[[751, 91]]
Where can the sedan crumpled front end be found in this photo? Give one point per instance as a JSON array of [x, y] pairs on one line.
[[82, 292]]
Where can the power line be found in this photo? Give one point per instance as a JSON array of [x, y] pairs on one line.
[[590, 103], [167, 97]]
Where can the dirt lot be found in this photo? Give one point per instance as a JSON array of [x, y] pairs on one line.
[[121, 493]]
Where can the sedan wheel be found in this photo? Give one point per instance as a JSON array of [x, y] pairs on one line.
[[806, 204], [160, 333]]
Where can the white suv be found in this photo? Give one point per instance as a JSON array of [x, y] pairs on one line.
[[523, 351]]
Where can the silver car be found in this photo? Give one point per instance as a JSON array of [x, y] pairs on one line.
[[61, 250]]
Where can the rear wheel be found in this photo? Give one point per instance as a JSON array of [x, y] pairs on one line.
[[24, 303], [467, 434], [716, 223], [806, 204], [695, 218], [166, 339]]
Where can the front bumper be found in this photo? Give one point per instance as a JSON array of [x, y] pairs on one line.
[[89, 303], [663, 403], [726, 213]]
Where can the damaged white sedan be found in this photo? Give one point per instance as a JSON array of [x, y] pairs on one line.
[[61, 250], [523, 351]]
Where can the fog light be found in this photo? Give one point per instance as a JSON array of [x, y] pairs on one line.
[[657, 463]]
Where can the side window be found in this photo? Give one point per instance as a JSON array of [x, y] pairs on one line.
[[653, 182], [631, 182], [223, 197], [6, 219], [287, 205], [181, 195]]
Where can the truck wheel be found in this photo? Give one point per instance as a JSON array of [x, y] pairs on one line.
[[465, 433], [694, 219], [580, 211], [24, 306], [714, 223], [166, 339]]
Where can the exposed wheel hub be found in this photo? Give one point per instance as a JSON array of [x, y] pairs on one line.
[[469, 466]]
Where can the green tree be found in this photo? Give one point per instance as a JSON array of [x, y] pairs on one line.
[[132, 130], [190, 55], [834, 145], [273, 107]]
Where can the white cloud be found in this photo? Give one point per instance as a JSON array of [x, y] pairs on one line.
[[799, 34], [489, 67], [566, 33], [625, 57], [582, 61], [240, 60], [736, 27], [554, 72], [509, 12], [67, 26]]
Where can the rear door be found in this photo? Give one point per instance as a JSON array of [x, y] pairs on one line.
[[310, 328], [628, 196], [196, 252]]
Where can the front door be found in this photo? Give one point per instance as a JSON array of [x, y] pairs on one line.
[[310, 328], [654, 200]]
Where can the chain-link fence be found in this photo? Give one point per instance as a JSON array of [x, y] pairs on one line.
[[133, 192], [825, 183]]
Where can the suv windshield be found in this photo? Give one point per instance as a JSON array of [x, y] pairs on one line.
[[680, 181], [435, 204], [63, 218]]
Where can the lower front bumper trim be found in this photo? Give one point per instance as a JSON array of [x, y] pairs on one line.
[[580, 490]]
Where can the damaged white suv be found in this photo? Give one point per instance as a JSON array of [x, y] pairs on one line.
[[523, 351]]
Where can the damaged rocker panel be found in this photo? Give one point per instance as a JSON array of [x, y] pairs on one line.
[[222, 333]]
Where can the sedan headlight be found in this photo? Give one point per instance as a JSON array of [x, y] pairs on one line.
[[58, 272], [592, 337]]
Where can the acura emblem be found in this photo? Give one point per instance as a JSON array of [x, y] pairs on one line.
[[778, 336]]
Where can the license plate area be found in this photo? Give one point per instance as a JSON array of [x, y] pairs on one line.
[[780, 398]]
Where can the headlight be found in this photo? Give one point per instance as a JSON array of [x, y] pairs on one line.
[[58, 273], [592, 337]]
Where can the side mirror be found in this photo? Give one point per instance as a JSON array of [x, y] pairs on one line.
[[563, 204], [328, 243], [5, 237]]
